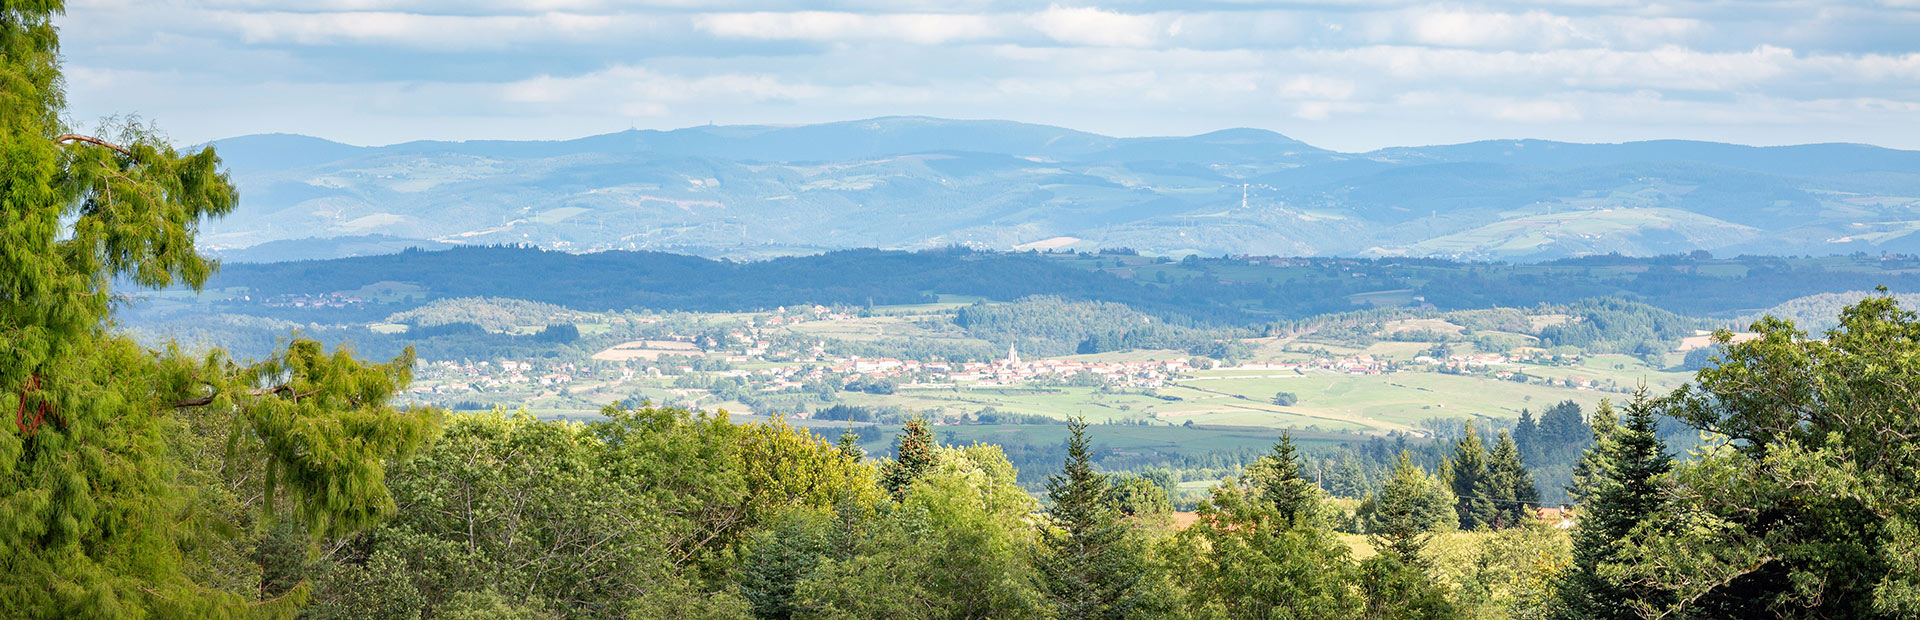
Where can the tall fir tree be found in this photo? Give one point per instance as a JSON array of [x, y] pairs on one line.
[[913, 457], [1517, 494], [1588, 470], [1087, 563], [1526, 433], [1561, 427], [849, 445], [1295, 499], [1622, 492], [1403, 514], [1473, 486]]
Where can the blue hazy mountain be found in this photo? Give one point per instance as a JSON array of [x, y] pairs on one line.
[[913, 182]]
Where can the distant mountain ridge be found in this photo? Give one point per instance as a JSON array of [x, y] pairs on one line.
[[754, 191]]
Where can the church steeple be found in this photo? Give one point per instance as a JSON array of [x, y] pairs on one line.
[[1013, 357]]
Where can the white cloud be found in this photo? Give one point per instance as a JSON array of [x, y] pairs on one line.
[[1353, 74], [924, 28], [1096, 27], [415, 29], [1317, 87]]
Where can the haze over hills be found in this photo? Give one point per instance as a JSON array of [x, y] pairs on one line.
[[915, 182]]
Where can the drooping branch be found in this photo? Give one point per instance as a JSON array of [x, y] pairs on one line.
[[74, 137], [284, 390]]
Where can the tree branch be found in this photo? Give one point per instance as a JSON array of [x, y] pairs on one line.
[[74, 137], [281, 389]]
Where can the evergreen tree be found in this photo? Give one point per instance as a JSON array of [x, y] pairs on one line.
[[849, 445], [1525, 434], [1087, 564], [1292, 496], [1473, 487], [1396, 590], [1514, 485], [1404, 515], [1561, 427], [1348, 479], [913, 457], [1589, 469], [1623, 491]]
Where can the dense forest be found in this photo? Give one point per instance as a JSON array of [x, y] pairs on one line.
[[1219, 291]]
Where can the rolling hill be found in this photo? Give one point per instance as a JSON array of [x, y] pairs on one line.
[[912, 183]]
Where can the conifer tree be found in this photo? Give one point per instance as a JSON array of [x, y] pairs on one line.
[[1402, 510], [1525, 434], [913, 457], [1473, 489], [1087, 565], [1587, 471], [1622, 492], [1292, 496], [849, 445], [1513, 483]]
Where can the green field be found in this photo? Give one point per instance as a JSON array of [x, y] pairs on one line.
[[1327, 401]]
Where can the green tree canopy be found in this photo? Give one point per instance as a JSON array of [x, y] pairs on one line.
[[101, 494]]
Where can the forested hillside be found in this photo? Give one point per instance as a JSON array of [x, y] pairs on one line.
[[758, 191]]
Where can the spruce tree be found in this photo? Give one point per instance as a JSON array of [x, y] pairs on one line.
[[1622, 492], [1402, 514], [1281, 484], [849, 445], [1561, 428], [1588, 470], [1513, 483], [1087, 564], [913, 457], [1526, 433], [1473, 488]]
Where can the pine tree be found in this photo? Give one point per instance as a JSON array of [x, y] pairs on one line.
[[1087, 564], [1623, 491], [1402, 512], [849, 445], [1293, 498], [1513, 483], [913, 457], [1473, 488]]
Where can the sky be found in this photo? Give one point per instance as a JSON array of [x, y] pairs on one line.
[[1351, 75]]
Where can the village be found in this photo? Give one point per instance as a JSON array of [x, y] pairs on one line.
[[769, 369]]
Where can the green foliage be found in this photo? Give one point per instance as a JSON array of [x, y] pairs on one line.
[[1512, 574], [1241, 560], [955, 546], [1395, 589], [1807, 496], [780, 557], [115, 498], [1406, 509], [1089, 564], [913, 456], [1514, 495], [1621, 495], [1294, 499], [1475, 491]]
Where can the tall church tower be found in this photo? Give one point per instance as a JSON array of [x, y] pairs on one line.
[[1013, 357]]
